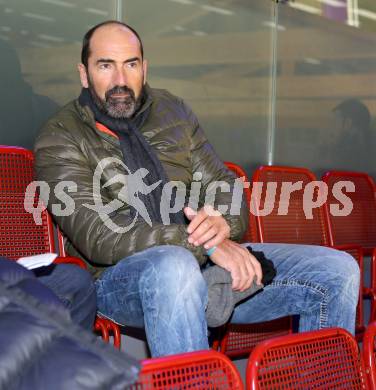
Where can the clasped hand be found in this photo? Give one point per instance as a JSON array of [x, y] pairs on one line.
[[207, 227]]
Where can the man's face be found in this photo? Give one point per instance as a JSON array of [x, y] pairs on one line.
[[116, 73]]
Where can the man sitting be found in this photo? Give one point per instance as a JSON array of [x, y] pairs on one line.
[[120, 132]]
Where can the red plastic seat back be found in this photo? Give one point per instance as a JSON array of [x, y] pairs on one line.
[[240, 339], [289, 218], [19, 234], [251, 234], [369, 353], [324, 359], [195, 370], [359, 227]]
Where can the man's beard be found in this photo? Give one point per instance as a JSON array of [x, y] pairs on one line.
[[119, 108]]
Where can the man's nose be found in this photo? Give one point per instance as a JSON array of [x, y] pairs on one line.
[[120, 77]]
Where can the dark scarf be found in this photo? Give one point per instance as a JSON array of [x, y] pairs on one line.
[[137, 153]]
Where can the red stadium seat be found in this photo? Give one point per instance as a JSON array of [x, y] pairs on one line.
[[289, 219], [359, 226], [251, 233], [20, 235], [369, 353], [323, 359], [194, 370], [239, 339]]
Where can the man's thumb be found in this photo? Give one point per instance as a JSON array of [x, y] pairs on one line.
[[189, 213]]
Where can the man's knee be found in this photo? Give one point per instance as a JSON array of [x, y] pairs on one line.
[[341, 265], [342, 262], [175, 269]]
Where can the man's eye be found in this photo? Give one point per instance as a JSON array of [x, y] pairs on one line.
[[132, 64], [104, 66]]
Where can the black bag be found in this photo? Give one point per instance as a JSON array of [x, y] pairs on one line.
[[267, 266]]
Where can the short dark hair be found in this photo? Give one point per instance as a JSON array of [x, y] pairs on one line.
[[85, 52]]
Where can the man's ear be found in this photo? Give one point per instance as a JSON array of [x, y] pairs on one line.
[[83, 75], [145, 69]]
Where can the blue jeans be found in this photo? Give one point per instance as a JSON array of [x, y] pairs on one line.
[[75, 288], [162, 290]]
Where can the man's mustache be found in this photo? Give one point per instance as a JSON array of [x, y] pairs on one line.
[[120, 90]]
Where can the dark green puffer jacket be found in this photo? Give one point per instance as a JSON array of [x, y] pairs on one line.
[[69, 148]]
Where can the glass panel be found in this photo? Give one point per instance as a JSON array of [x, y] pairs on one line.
[[216, 55], [326, 85], [40, 43]]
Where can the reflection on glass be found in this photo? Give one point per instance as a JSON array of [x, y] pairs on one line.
[[216, 55], [325, 91], [40, 42], [355, 13], [22, 111]]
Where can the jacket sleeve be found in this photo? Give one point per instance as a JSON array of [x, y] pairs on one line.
[[60, 157], [214, 172]]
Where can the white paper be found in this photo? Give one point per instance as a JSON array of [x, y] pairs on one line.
[[32, 262]]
